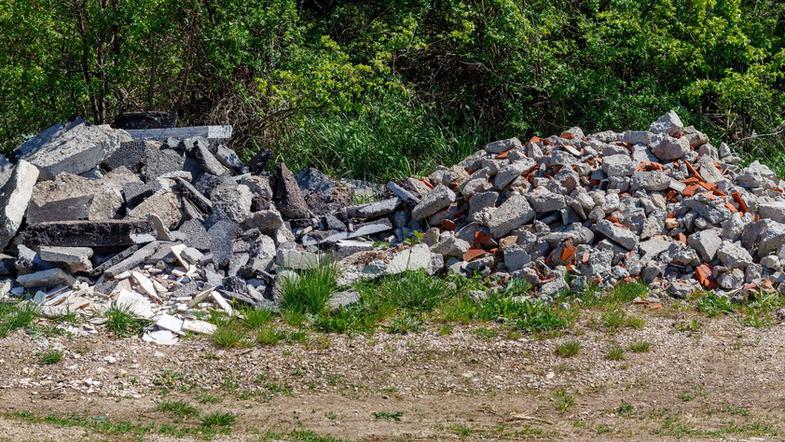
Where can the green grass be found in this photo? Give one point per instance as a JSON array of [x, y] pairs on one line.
[[615, 353], [625, 409], [50, 357], [405, 323], [394, 416], [257, 318], [563, 400], [712, 304], [617, 319], [640, 347], [229, 335], [310, 292], [221, 421], [121, 322], [14, 316], [415, 291], [178, 408], [269, 336], [568, 349], [486, 333], [627, 291], [594, 296]]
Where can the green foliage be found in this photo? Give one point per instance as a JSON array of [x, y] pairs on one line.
[[269, 336], [218, 421], [381, 89], [712, 304], [310, 290]]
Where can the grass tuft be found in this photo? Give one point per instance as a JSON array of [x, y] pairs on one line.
[[310, 291], [568, 349], [218, 421], [615, 353], [51, 357], [640, 347], [394, 416], [121, 322], [269, 336], [563, 400], [229, 335], [257, 318], [178, 408], [14, 316]]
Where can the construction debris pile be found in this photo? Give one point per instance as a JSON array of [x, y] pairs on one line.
[[169, 222]]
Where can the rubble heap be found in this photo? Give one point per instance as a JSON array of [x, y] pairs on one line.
[[169, 221]]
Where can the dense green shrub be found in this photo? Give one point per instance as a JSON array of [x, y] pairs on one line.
[[385, 88]]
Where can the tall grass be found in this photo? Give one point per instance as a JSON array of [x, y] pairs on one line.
[[310, 292]]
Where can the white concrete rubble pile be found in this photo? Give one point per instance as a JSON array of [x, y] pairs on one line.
[[171, 228]]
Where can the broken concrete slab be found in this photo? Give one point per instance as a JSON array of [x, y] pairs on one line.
[[435, 200], [618, 234], [216, 133], [706, 243], [135, 304], [76, 150], [374, 209], [773, 210], [58, 199], [124, 261], [14, 199], [94, 234], [670, 124], [512, 214], [45, 278], [164, 204], [75, 259], [733, 255], [670, 148]]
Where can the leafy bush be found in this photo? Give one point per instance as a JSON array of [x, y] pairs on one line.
[[390, 88]]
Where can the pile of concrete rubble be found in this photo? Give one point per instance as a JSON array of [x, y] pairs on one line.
[[170, 222]]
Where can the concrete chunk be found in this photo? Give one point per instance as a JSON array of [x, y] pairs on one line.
[[733, 255], [503, 145], [77, 150], [774, 210], [14, 198], [218, 133], [512, 214], [618, 165], [437, 199], [706, 243], [108, 234], [620, 235], [670, 124], [45, 278], [543, 200], [375, 209], [670, 148], [76, 259]]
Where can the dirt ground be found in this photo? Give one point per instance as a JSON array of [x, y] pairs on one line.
[[701, 378]]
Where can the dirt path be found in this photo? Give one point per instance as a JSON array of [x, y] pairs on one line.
[[707, 379]]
